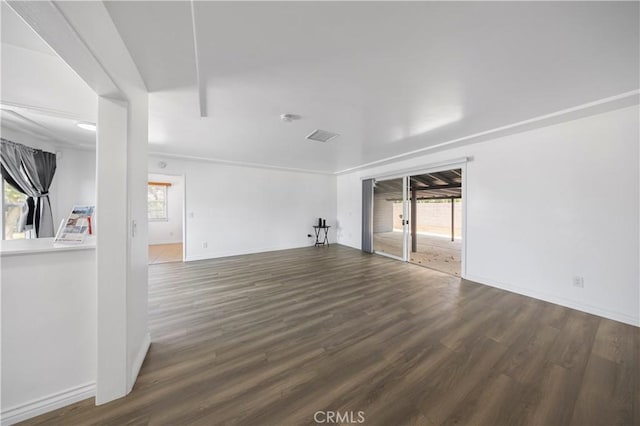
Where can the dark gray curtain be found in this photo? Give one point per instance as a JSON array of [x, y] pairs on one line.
[[367, 215], [31, 172]]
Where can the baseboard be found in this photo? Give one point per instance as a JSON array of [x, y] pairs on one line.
[[48, 403], [137, 363], [217, 255], [156, 243], [605, 313]]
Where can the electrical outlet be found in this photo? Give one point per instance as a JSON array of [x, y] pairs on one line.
[[205, 245], [578, 281]]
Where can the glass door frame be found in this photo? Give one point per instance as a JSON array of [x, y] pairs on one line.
[[458, 163], [405, 214]]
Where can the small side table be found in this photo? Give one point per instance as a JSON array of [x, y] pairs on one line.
[[325, 240]]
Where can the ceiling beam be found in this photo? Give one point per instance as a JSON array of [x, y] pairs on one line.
[[200, 79], [398, 199], [436, 187], [441, 197], [422, 180], [439, 177]]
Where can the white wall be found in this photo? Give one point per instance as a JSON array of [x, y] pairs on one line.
[[74, 182], [237, 210], [85, 37], [516, 241], [169, 231], [123, 334], [48, 331]]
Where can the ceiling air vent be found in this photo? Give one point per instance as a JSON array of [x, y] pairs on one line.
[[321, 135]]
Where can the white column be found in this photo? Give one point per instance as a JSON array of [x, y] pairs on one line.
[[112, 248]]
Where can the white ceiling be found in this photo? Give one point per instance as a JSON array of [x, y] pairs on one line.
[[60, 131], [388, 77], [41, 96]]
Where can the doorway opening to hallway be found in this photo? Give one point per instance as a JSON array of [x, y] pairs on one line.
[[165, 196]]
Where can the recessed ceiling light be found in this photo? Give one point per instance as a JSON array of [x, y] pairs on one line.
[[288, 118], [86, 125]]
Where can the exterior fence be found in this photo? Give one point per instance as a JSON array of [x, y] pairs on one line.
[[434, 217]]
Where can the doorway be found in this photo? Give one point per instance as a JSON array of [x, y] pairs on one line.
[[389, 217], [418, 218], [435, 205], [165, 196]]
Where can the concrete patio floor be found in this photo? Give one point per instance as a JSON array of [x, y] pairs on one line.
[[434, 252]]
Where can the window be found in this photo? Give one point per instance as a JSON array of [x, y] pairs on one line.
[[12, 202], [157, 201]]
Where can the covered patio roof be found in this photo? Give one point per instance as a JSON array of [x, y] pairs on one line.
[[429, 186]]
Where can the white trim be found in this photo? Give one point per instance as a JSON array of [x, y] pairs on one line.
[[2, 206], [165, 242], [590, 309], [236, 163], [390, 256], [44, 132], [464, 236], [47, 403], [430, 168], [219, 255], [495, 131], [405, 217], [522, 123], [184, 218], [438, 166], [137, 363], [52, 112]]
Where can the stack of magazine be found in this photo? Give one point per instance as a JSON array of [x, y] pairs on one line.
[[77, 226]]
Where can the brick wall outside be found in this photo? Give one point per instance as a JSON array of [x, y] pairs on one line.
[[433, 217], [383, 211]]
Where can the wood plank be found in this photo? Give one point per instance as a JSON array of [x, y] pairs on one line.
[[271, 338], [604, 380]]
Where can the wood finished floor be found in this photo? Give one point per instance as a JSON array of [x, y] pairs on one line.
[[269, 339], [164, 253]]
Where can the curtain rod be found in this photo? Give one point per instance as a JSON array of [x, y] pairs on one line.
[[3, 140]]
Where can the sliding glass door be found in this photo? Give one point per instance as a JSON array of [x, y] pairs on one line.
[[390, 217], [416, 218], [436, 220]]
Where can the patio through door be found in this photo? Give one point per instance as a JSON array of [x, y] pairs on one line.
[[417, 218], [390, 217]]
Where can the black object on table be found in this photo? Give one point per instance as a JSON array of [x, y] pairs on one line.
[[325, 240]]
